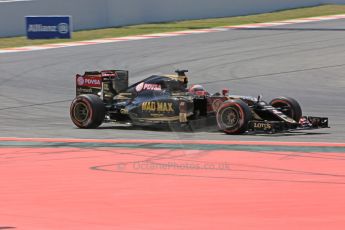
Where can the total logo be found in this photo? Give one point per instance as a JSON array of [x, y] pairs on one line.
[[145, 86], [89, 81]]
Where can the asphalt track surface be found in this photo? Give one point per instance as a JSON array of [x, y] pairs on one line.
[[305, 61], [176, 180]]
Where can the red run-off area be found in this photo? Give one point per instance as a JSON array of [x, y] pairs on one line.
[[51, 184]]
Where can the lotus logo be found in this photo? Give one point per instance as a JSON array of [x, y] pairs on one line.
[[63, 28]]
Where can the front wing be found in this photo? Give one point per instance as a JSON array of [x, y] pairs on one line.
[[305, 123]]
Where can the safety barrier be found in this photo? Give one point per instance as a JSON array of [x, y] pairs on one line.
[[90, 14]]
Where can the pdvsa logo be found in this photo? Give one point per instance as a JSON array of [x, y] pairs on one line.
[[80, 81], [92, 82], [145, 86], [89, 81]]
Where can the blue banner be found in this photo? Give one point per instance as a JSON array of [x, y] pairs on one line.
[[48, 27]]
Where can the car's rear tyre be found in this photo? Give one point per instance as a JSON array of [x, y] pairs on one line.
[[288, 106], [233, 117], [87, 111]]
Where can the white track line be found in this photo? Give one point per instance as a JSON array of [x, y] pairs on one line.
[[170, 34]]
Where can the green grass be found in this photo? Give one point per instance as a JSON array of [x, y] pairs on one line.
[[181, 25]]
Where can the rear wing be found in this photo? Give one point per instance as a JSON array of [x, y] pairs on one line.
[[105, 84]]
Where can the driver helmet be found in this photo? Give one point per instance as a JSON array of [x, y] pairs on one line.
[[198, 90]]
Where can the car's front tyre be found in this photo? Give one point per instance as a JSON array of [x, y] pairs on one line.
[[288, 106], [233, 117]]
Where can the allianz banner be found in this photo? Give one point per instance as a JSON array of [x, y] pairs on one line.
[[48, 27]]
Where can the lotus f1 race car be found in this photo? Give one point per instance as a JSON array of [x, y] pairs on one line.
[[159, 100]]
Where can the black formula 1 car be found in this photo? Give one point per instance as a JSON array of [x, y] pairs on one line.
[[159, 100]]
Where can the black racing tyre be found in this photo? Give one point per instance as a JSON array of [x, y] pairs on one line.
[[289, 106], [87, 111], [233, 117]]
